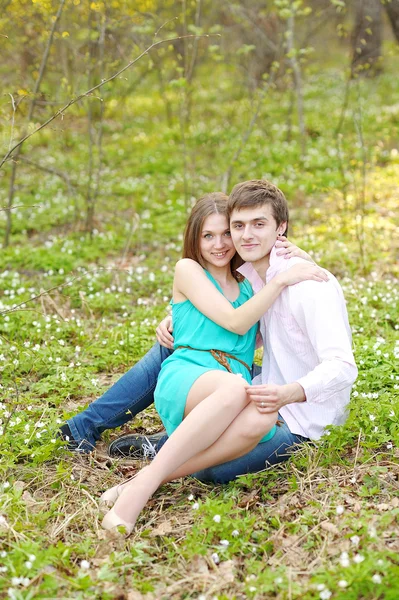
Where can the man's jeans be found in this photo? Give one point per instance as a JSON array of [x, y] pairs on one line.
[[134, 392], [131, 394]]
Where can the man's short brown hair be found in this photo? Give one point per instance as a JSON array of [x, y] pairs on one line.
[[257, 192]]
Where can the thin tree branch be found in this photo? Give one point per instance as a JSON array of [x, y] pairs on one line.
[[43, 64], [297, 80], [23, 304], [246, 135], [14, 108], [50, 170], [73, 101], [190, 73], [20, 206]]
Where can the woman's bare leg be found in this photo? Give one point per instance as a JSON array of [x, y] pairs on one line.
[[206, 422], [244, 433], [238, 439]]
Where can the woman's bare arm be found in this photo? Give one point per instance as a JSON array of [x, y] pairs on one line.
[[191, 281]]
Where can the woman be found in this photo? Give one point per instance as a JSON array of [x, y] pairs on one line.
[[201, 401]]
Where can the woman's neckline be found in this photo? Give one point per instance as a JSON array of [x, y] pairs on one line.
[[221, 288]]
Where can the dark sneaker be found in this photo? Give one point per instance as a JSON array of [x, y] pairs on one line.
[[65, 434], [135, 446]]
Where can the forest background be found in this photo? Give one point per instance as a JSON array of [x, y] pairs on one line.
[[114, 117]]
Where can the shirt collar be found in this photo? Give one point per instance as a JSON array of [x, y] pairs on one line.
[[249, 272]]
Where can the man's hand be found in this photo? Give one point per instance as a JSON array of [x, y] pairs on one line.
[[163, 333], [270, 398]]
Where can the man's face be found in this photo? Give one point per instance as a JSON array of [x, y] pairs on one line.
[[254, 232]]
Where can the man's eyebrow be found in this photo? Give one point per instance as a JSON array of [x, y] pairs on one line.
[[260, 218]]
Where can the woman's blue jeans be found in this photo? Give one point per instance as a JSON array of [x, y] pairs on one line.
[[134, 392]]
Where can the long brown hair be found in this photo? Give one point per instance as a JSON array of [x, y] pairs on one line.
[[209, 204]]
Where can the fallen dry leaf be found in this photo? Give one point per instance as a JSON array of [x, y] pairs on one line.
[[33, 505], [134, 595], [162, 529], [19, 485], [199, 566], [227, 571], [328, 526], [249, 499]]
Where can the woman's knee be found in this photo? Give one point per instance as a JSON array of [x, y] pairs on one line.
[[255, 425], [233, 394]]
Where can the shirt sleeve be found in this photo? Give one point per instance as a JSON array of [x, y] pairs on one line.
[[320, 311]]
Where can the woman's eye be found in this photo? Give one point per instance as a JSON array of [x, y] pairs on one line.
[[207, 236], [227, 234]]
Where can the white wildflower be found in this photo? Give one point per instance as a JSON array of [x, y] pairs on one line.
[[344, 559], [358, 558], [217, 518]]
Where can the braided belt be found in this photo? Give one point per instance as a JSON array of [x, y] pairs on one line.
[[221, 357]]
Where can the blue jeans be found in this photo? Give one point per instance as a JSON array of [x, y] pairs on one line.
[[269, 453], [131, 394], [134, 392]]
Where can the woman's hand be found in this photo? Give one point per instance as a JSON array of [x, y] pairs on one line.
[[163, 333], [288, 249], [302, 272]]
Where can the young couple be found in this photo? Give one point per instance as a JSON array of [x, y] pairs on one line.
[[212, 414]]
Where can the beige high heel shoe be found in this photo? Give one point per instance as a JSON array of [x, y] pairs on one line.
[[110, 496], [111, 520]]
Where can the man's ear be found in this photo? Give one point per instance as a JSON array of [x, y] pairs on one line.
[[282, 228]]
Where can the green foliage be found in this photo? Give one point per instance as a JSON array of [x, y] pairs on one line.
[[325, 524]]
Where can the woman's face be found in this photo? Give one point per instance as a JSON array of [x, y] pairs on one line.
[[216, 245]]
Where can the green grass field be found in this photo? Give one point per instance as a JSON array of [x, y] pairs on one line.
[[324, 525]]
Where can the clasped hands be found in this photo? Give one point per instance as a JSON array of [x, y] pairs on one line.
[[269, 398]]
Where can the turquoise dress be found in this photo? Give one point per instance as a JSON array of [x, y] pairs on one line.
[[184, 366]]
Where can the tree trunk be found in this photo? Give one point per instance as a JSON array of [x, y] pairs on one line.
[[392, 9], [367, 37]]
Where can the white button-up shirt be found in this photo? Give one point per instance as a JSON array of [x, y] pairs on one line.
[[307, 339]]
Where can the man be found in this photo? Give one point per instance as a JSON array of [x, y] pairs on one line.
[[308, 366]]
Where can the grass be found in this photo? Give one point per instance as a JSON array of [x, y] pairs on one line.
[[323, 525]]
